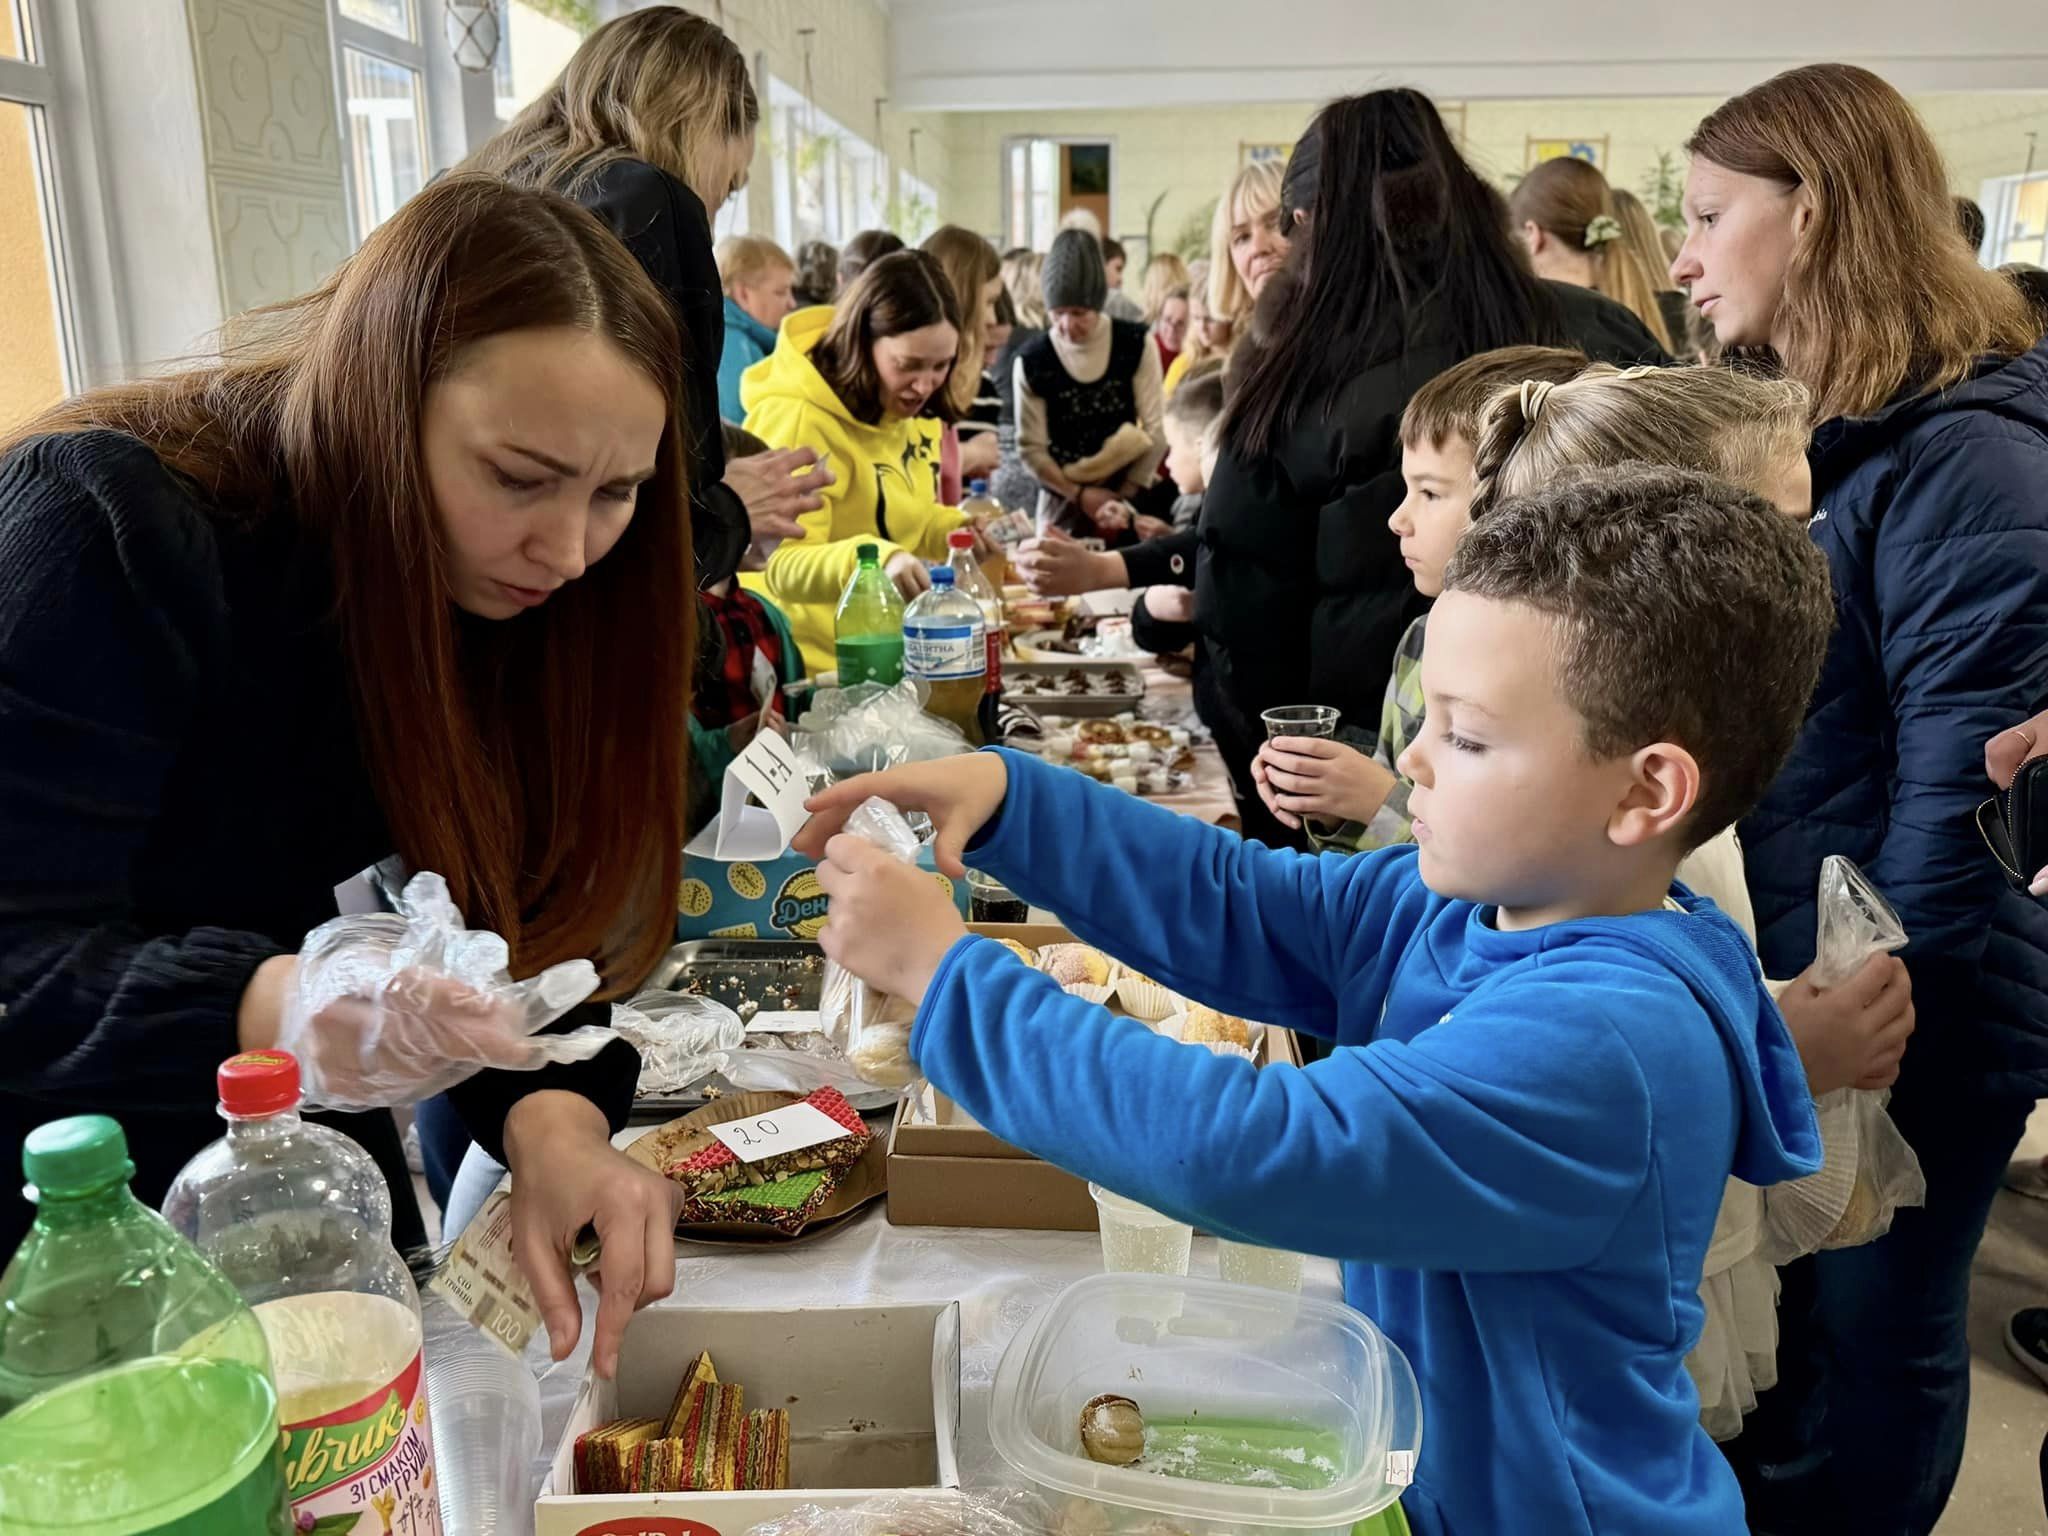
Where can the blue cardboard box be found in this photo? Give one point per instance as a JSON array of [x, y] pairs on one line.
[[767, 898]]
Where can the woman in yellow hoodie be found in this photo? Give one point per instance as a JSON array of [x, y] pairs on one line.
[[863, 384]]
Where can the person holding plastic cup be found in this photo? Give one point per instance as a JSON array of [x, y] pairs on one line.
[[402, 578]]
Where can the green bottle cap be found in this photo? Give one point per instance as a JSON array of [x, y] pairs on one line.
[[76, 1156], [867, 554]]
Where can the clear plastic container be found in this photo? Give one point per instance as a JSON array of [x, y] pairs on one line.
[[298, 1218], [1263, 1412], [487, 1422]]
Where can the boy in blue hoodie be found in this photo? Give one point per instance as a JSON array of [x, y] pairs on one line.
[[1550, 1056]]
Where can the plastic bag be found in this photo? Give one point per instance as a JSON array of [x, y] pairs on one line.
[[1867, 1169], [681, 1038], [1002, 1513], [867, 728], [871, 1028], [391, 1008]]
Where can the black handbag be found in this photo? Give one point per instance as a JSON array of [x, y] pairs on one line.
[[2014, 825]]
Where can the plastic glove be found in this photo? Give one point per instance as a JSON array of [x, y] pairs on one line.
[[393, 1008]]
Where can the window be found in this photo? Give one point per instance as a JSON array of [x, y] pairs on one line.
[[38, 366], [2016, 219], [533, 47], [383, 68], [1046, 179], [830, 183]]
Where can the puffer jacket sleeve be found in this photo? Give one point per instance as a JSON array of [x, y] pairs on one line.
[[1961, 582]]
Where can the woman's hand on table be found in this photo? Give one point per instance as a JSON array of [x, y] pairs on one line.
[[1301, 776], [960, 795], [891, 923], [567, 1175], [777, 488], [911, 575], [1061, 568], [1853, 1034]]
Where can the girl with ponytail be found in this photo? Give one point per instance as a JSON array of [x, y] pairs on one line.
[[1566, 216]]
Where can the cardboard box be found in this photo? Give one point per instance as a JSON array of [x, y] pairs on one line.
[[767, 898], [951, 1172], [873, 1395]]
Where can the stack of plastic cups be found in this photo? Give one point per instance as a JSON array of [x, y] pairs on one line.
[[485, 1406]]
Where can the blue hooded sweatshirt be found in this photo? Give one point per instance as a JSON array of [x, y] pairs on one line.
[[747, 341], [1518, 1151]]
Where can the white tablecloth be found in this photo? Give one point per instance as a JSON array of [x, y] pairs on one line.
[[1002, 1280]]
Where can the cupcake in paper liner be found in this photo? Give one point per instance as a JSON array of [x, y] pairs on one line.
[[1178, 1026], [1100, 996], [1144, 998], [1801, 1214], [1078, 965]]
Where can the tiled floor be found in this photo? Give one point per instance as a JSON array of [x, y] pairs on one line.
[[1999, 1493]]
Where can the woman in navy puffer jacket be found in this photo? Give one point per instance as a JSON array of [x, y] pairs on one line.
[[1820, 240]]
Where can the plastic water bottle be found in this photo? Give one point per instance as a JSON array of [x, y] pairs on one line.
[[298, 1218], [968, 577], [945, 646], [486, 1416], [135, 1389], [868, 638], [982, 508]]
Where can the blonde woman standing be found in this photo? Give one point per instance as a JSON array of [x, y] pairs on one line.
[[1565, 214], [1246, 247], [1821, 243], [976, 277], [1646, 240], [650, 125]]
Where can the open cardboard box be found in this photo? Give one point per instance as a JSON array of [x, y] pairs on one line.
[[873, 1395], [950, 1172]]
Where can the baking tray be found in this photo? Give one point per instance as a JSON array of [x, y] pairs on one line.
[[1091, 705], [777, 974]]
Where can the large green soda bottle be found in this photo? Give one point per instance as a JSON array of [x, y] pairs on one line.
[[869, 637], [135, 1390]]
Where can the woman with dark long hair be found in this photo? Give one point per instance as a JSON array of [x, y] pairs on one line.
[[1822, 243], [1401, 264], [405, 576], [651, 127]]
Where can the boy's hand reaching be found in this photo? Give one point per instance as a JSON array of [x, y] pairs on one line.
[[1301, 776], [960, 794], [891, 923], [1852, 1035]]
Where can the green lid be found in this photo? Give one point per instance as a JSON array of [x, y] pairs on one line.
[[868, 554], [76, 1156]]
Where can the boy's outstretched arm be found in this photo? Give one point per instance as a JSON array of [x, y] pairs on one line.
[[1513, 1137], [1267, 934]]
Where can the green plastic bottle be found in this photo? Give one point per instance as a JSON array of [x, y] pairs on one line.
[[135, 1390], [869, 636]]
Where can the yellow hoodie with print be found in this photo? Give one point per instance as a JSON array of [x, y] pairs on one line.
[[887, 493]]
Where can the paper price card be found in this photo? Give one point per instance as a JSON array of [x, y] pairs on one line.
[[790, 1129]]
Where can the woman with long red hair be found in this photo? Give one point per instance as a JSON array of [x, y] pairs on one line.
[[406, 573]]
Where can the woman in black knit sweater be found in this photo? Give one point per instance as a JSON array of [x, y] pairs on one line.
[[406, 576]]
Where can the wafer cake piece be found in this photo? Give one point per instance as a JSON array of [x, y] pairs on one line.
[[717, 1168], [702, 1373], [785, 1205], [602, 1454], [703, 1455], [764, 1459]]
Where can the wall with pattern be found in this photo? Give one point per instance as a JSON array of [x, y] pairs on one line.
[[268, 120]]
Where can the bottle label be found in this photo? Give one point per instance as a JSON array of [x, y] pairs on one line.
[[944, 652], [368, 1467]]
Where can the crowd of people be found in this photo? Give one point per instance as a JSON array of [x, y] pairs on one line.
[[1644, 580]]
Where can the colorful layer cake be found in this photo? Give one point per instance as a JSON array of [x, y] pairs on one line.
[[709, 1443], [702, 1373], [717, 1168], [604, 1456], [786, 1205]]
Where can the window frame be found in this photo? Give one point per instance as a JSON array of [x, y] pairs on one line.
[[57, 85]]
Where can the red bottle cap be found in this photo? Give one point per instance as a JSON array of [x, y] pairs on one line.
[[960, 538], [258, 1083]]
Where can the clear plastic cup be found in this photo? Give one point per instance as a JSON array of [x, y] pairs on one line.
[[1301, 720], [485, 1407], [1272, 1269], [1137, 1240]]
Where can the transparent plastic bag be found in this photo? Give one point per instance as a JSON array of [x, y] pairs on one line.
[[682, 1038], [390, 1008], [981, 1513], [867, 728], [870, 1027], [1867, 1169]]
